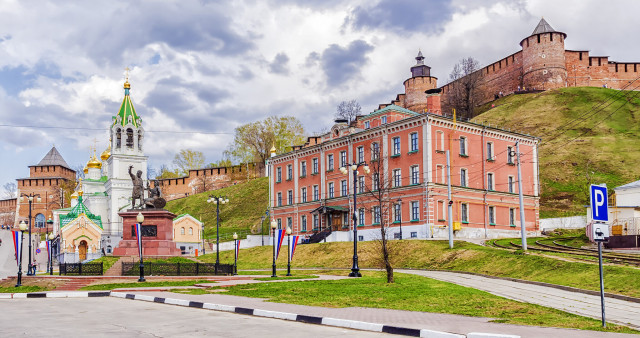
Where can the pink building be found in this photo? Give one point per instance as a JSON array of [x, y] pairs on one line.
[[310, 194]]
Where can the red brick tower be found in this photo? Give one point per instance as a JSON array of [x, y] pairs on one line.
[[543, 58], [416, 86]]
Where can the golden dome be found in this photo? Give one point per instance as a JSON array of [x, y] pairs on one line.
[[94, 163], [273, 149], [79, 192], [106, 153], [127, 85], [74, 195], [85, 170]]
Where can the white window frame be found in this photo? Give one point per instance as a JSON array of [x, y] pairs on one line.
[[361, 185], [375, 215], [442, 210], [279, 174], [316, 165], [344, 188], [397, 212], [509, 155], [492, 215], [440, 174], [491, 181], [415, 210], [289, 171], [279, 223], [279, 199], [463, 177], [343, 158], [383, 119], [367, 125], [464, 212], [415, 174], [490, 152], [331, 190], [289, 197], [316, 192], [375, 182], [303, 169], [397, 149], [330, 162], [303, 222], [375, 151], [414, 142], [360, 152], [304, 194], [397, 177], [512, 217], [511, 184], [316, 222], [463, 146], [440, 140], [361, 216]]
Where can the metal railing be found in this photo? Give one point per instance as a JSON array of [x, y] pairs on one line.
[[176, 269], [82, 269], [625, 226]]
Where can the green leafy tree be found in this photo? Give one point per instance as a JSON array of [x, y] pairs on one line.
[[188, 159], [253, 141], [225, 162], [165, 172]]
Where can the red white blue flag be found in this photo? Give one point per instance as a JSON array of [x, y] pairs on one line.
[[237, 249], [49, 250], [292, 247], [16, 245], [281, 234], [139, 237]]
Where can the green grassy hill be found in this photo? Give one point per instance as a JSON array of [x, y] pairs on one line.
[[602, 148], [247, 202]]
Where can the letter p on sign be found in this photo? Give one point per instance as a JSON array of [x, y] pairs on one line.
[[599, 203]]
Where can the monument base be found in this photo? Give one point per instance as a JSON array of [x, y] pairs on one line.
[[157, 234]]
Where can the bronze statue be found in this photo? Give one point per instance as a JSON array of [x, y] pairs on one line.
[[138, 188], [155, 200]]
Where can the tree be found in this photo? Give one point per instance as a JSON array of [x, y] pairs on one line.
[[379, 203], [463, 93], [253, 141], [188, 159], [348, 110], [225, 162], [165, 172], [10, 190]]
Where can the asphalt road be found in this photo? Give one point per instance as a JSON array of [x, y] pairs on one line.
[[114, 317]]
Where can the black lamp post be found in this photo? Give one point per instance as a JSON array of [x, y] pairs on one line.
[[400, 215], [30, 198], [217, 200], [140, 219], [235, 253], [289, 250], [23, 227], [262, 228], [273, 227], [355, 270], [49, 238]]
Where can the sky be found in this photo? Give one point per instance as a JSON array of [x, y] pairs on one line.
[[199, 69]]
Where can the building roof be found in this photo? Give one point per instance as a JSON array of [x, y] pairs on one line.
[[543, 27], [391, 107], [78, 210], [127, 110], [53, 157], [631, 185]]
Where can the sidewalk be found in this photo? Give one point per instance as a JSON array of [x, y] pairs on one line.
[[616, 310], [418, 320]]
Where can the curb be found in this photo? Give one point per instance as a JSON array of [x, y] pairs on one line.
[[344, 323]]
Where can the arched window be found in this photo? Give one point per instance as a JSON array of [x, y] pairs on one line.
[[40, 221], [129, 138], [118, 138], [190, 231], [139, 140], [182, 231], [108, 248]]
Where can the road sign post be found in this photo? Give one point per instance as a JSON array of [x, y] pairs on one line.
[[600, 230]]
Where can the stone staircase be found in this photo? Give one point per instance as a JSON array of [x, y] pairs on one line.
[[116, 268], [75, 283]]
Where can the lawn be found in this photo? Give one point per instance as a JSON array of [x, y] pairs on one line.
[[112, 286], [415, 293]]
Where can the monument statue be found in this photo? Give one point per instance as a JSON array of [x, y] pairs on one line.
[[155, 200], [138, 188]]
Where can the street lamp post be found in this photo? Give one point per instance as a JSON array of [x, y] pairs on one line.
[[355, 270], [217, 200], [30, 198], [235, 253], [400, 215], [273, 227], [23, 227], [140, 219], [50, 253], [49, 238], [288, 250], [262, 228]]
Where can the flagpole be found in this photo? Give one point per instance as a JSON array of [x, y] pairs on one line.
[[235, 251], [289, 251]]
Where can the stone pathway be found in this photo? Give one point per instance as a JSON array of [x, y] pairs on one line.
[[617, 311]]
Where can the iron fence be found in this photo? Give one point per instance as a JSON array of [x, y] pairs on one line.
[[176, 269], [82, 269]]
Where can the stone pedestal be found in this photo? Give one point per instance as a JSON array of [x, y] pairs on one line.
[[157, 234]]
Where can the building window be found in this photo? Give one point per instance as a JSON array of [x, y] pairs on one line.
[[463, 177], [376, 215], [304, 195], [441, 211], [343, 188], [290, 197], [279, 224], [375, 151], [330, 162], [510, 184], [182, 231], [343, 159], [303, 222], [360, 154], [290, 223], [396, 146], [464, 213], [489, 151], [440, 176], [331, 190], [345, 220], [397, 179], [361, 184], [463, 146], [415, 210], [279, 199], [397, 213], [383, 119], [512, 216], [489, 181], [415, 175], [303, 169], [440, 141], [316, 193], [315, 165], [367, 125], [316, 221], [492, 215], [414, 234], [40, 221], [361, 217], [190, 231], [414, 141], [375, 181], [510, 155], [289, 172], [278, 174]]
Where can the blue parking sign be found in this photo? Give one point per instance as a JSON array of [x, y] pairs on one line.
[[599, 203]]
